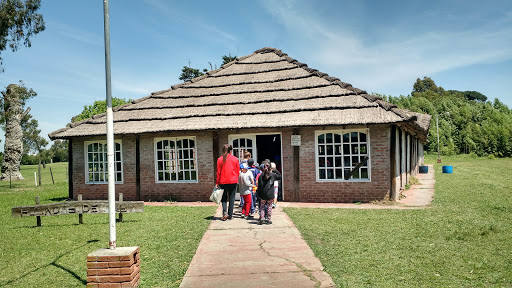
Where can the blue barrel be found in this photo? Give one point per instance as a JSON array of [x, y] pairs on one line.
[[448, 169], [423, 169]]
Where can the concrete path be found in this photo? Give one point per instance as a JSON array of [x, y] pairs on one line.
[[240, 253], [421, 194]]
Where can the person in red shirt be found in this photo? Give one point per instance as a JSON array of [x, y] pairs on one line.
[[228, 170]]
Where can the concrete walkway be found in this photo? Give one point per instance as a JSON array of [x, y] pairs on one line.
[[240, 253]]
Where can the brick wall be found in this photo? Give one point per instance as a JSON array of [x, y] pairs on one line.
[[100, 191], [310, 190], [200, 191], [346, 192]]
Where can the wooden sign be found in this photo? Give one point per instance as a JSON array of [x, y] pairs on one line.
[[77, 207]]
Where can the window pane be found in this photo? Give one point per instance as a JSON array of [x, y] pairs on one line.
[[185, 143], [321, 138], [364, 173], [321, 150], [91, 167], [118, 166], [362, 137], [118, 156], [235, 143], [346, 149], [192, 143], [89, 157], [242, 142], [118, 147], [330, 161], [91, 179], [89, 148], [337, 149], [180, 175], [353, 136], [346, 172], [159, 145], [355, 160], [355, 149], [330, 173], [160, 155], [249, 143], [186, 164], [187, 175], [328, 138], [363, 149], [167, 176], [337, 162], [185, 154], [322, 174], [321, 161], [356, 174], [193, 175], [330, 150], [119, 178], [173, 176], [346, 161], [339, 174], [160, 166], [160, 176], [346, 138], [337, 138]]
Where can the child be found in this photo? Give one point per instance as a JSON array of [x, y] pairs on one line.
[[266, 192], [245, 182], [255, 171]]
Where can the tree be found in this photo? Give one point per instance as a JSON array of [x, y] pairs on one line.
[[32, 142], [19, 21], [14, 98], [59, 151], [188, 73], [226, 59], [98, 107]]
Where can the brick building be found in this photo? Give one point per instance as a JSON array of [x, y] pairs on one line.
[[331, 141]]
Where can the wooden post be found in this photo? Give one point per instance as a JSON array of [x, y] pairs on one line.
[[38, 217], [51, 173], [80, 215], [120, 214], [39, 171]]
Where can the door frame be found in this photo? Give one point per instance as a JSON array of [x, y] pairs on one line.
[[232, 137]]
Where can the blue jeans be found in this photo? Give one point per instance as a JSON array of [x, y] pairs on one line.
[[229, 194]]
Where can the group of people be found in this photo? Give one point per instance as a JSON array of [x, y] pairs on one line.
[[255, 183]]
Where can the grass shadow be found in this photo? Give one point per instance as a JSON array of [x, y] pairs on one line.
[[55, 264]]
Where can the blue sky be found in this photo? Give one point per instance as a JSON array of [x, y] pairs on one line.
[[376, 46]]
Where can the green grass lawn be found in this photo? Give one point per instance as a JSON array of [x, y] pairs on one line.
[[54, 255], [463, 240]]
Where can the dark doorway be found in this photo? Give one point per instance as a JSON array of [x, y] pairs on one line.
[[269, 147]]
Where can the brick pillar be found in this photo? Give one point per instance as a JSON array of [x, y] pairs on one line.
[[118, 268]]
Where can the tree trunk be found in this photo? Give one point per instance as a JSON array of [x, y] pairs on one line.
[[13, 149]]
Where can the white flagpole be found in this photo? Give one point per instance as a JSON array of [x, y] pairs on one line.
[[110, 136]]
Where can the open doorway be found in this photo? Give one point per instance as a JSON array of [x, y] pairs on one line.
[[269, 147]]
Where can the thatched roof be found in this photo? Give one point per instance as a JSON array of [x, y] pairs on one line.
[[266, 83]]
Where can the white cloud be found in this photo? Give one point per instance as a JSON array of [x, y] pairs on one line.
[[396, 60]]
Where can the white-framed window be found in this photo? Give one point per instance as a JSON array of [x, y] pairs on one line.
[[175, 159], [96, 162], [338, 152]]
